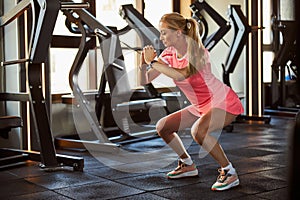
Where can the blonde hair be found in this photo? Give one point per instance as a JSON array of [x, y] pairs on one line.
[[195, 47]]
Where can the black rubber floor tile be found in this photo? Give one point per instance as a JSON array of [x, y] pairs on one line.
[[18, 187], [198, 191], [280, 159], [272, 146], [143, 196], [280, 194], [58, 180], [6, 176], [255, 183], [111, 174], [246, 166], [91, 163], [157, 181], [32, 169], [249, 152], [102, 190], [249, 197], [47, 195], [278, 173]]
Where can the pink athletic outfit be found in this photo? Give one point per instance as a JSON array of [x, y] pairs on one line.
[[203, 89]]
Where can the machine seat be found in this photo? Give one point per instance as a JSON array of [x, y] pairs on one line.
[[144, 104]]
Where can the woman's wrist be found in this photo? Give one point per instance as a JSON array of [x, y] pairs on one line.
[[143, 66], [150, 65]]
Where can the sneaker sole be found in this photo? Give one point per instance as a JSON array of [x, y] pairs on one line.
[[183, 175], [231, 185]]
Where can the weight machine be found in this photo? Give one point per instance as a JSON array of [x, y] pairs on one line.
[[119, 102], [241, 32], [122, 100], [148, 35], [285, 59], [209, 42], [44, 14]]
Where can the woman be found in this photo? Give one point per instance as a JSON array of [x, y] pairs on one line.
[[213, 104]]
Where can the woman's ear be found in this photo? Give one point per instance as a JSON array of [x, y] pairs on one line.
[[178, 33]]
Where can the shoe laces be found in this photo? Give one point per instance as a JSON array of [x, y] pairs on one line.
[[180, 165], [223, 175]]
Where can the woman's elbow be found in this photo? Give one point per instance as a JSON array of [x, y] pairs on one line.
[[178, 78]]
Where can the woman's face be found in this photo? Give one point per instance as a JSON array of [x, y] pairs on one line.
[[167, 36]]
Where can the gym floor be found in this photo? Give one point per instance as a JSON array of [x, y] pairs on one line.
[[258, 151]]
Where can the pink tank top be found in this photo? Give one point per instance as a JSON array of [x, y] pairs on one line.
[[203, 89]]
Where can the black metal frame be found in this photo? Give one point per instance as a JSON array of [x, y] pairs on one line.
[[197, 7], [241, 32], [285, 53], [240, 38], [90, 29], [285, 50], [148, 34], [43, 26]]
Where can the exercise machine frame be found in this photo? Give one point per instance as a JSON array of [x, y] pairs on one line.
[[241, 32], [284, 53], [90, 28], [210, 42], [42, 29]]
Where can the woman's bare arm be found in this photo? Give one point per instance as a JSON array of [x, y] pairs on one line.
[[160, 67], [175, 74]]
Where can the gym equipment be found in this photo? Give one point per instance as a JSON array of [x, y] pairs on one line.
[[9, 122], [44, 14], [285, 59], [120, 101], [149, 35], [209, 42], [241, 32], [112, 154]]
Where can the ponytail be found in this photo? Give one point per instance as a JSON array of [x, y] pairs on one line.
[[195, 49], [189, 27]]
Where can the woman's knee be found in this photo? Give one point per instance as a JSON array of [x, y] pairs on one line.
[[160, 127], [199, 133]]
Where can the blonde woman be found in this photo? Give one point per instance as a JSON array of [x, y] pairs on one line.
[[213, 104]]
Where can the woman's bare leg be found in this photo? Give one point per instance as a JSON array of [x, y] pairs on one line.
[[215, 119], [169, 125]]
